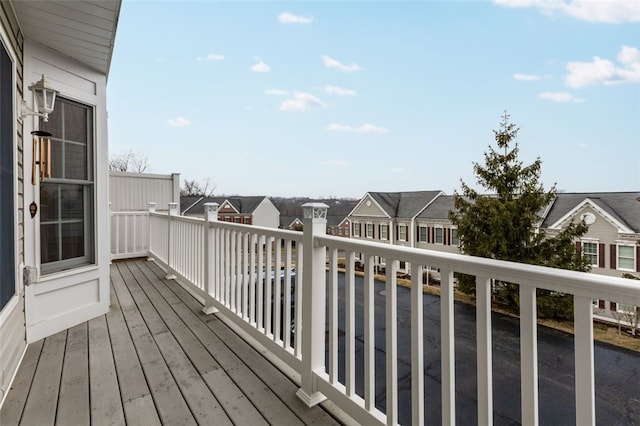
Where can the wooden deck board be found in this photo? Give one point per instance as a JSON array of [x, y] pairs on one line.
[[43, 396], [73, 405], [106, 405], [154, 359], [172, 408], [263, 371], [234, 402], [17, 398]]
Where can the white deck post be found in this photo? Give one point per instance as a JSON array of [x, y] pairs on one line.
[[173, 211], [151, 206], [313, 302], [210, 215]]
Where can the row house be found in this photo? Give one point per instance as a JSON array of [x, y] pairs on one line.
[[338, 222], [390, 217], [421, 219], [258, 211], [613, 239]]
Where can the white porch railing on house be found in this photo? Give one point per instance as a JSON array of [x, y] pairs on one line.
[[129, 234], [230, 267]]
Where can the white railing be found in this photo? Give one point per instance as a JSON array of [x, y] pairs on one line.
[[230, 266], [129, 234]]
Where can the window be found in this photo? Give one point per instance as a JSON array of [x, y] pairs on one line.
[[7, 204], [437, 239], [369, 230], [590, 250], [236, 219], [626, 258], [384, 232], [339, 231], [402, 233], [356, 229], [423, 234], [67, 197], [455, 240], [627, 309]]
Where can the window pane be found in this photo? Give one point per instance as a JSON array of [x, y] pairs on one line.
[[48, 201], [56, 158], [72, 240], [454, 237], [75, 161], [439, 235], [49, 249], [75, 123], [54, 125], [626, 259], [72, 201]]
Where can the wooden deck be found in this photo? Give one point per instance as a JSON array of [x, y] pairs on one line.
[[153, 359]]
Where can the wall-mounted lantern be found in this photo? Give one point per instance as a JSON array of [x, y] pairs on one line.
[[44, 101]]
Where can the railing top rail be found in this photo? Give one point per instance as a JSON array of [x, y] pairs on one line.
[[561, 280], [177, 217], [261, 230], [130, 212]]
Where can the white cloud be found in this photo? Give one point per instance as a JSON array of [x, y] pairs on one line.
[[610, 11], [301, 101], [290, 18], [276, 92], [560, 97], [332, 63], [179, 122], [334, 163], [260, 66], [211, 57], [604, 71], [526, 77], [364, 128], [340, 91]]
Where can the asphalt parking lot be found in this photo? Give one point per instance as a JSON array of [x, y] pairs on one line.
[[617, 370]]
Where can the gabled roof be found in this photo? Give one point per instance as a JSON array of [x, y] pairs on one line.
[[187, 202], [291, 208], [82, 30], [404, 204], [243, 205], [620, 207], [438, 209]]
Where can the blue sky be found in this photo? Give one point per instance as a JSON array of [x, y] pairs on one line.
[[337, 98]]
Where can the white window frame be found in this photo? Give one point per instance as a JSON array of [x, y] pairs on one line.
[[435, 235], [356, 229], [633, 253], [426, 235], [626, 309], [402, 229], [457, 237], [368, 227], [595, 243], [384, 232]]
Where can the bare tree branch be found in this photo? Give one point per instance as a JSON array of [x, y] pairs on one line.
[[128, 162]]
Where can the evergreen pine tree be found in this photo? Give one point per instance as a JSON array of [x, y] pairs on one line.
[[503, 223]]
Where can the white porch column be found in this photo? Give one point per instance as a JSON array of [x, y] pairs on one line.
[[173, 211], [313, 302], [210, 215]]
